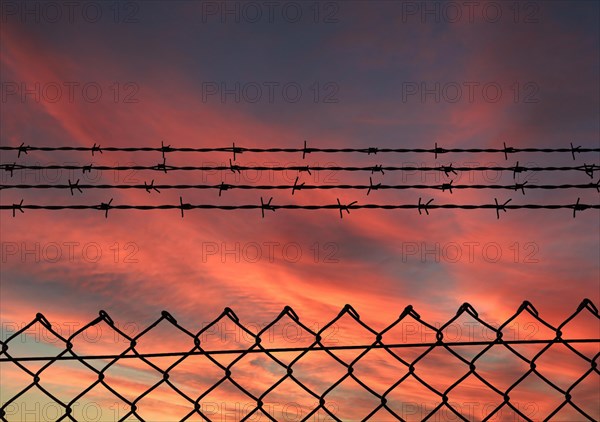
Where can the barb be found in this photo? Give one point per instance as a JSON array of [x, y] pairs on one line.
[[96, 148], [297, 186], [10, 168], [150, 187], [22, 149], [344, 207], [437, 151], [575, 150], [236, 151], [510, 150], [223, 187], [372, 186], [104, 207], [517, 169], [447, 170], [500, 207], [305, 151], [165, 148], [589, 170], [161, 166], [266, 206], [522, 187], [183, 206], [234, 168], [421, 206], [579, 207], [16, 207], [74, 186], [377, 168], [447, 186], [408, 369], [305, 169]]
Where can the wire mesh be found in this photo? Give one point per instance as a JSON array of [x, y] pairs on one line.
[[408, 370]]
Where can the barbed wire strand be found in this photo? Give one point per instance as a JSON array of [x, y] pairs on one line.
[[437, 150], [150, 186], [235, 168], [268, 206]]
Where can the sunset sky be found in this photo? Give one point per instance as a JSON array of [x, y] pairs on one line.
[[186, 73]]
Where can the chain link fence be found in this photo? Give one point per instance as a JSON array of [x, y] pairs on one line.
[[385, 377]]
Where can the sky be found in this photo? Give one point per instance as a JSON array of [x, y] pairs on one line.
[[352, 74]]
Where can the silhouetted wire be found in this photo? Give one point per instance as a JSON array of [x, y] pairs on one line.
[[298, 187], [409, 367], [268, 206], [304, 150], [286, 350], [235, 168]]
